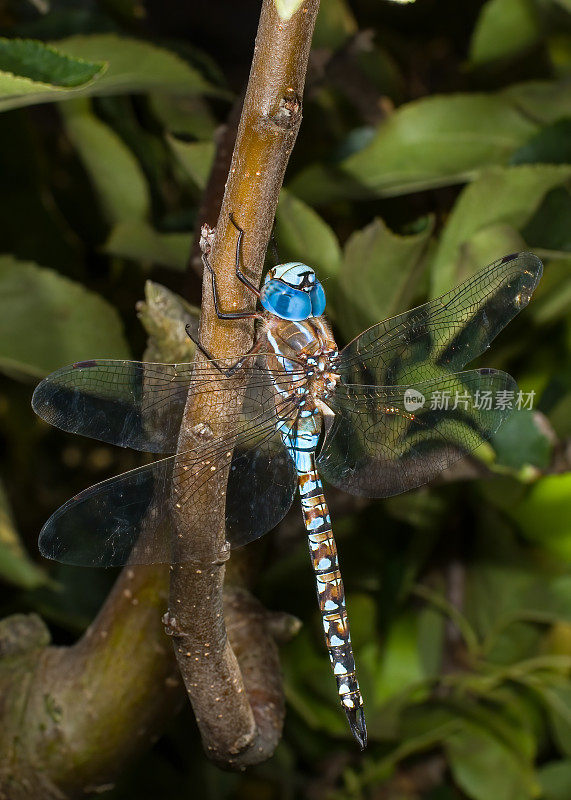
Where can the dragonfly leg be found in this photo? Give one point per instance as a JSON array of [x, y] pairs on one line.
[[225, 314], [239, 274], [228, 371]]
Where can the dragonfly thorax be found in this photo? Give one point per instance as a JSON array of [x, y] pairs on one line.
[[292, 291]]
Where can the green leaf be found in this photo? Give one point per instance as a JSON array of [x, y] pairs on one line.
[[552, 145], [555, 780], [437, 141], [507, 196], [96, 64], [553, 298], [558, 49], [36, 62], [112, 167], [379, 275], [32, 72], [485, 768], [557, 700], [334, 25], [504, 29], [509, 592], [306, 237], [47, 320], [195, 158], [550, 226], [312, 697], [484, 247], [431, 639], [180, 114], [15, 565], [544, 515], [523, 440], [136, 66], [560, 411], [542, 101], [140, 242], [401, 663]]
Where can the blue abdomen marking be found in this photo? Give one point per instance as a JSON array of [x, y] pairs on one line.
[[323, 552]]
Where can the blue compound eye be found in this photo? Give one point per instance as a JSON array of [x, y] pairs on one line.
[[285, 301], [317, 297]]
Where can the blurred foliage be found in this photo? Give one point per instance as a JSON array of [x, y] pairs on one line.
[[436, 138]]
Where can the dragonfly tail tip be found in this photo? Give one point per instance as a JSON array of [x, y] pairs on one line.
[[357, 724]]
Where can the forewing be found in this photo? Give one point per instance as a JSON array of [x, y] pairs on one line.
[[127, 403], [386, 440], [445, 334], [130, 518], [131, 403]]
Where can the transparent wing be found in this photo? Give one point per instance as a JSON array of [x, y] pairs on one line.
[[132, 403], [131, 518], [446, 333], [386, 440]]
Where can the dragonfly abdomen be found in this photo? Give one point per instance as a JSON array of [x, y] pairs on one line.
[[330, 591]]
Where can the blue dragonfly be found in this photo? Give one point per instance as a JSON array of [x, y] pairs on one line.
[[385, 414]]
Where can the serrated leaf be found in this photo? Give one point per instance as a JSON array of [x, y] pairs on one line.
[[16, 566], [30, 70], [47, 320], [135, 65], [378, 275], [115, 172], [507, 196], [96, 64], [39, 63], [504, 28], [195, 158], [306, 237], [140, 242]]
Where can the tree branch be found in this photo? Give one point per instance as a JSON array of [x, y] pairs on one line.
[[248, 724], [71, 717]]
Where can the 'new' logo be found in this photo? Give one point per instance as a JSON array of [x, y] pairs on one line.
[[413, 400]]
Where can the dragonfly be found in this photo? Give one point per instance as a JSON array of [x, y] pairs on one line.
[[385, 414]]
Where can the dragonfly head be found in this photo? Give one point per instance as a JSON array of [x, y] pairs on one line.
[[292, 291]]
